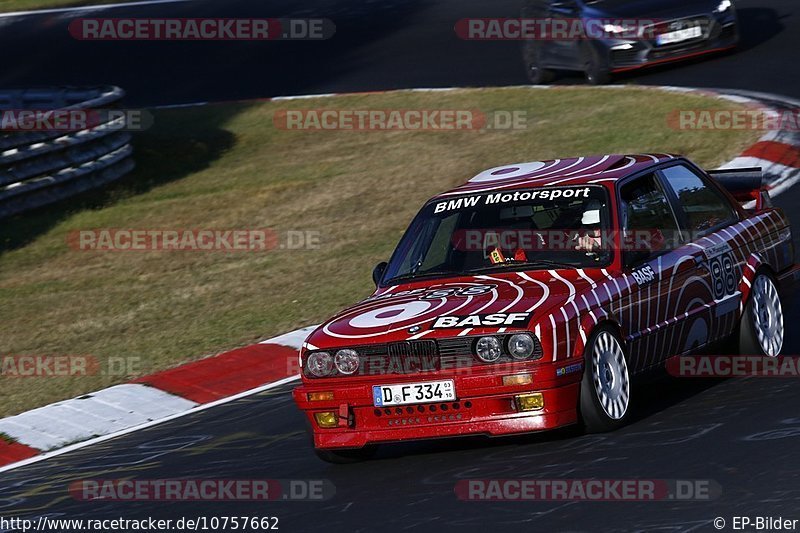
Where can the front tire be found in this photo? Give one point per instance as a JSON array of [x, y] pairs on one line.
[[761, 330], [595, 69], [606, 385]]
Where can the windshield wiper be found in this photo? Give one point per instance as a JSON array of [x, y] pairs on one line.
[[418, 275], [524, 264]]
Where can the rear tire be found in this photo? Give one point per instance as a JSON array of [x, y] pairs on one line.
[[537, 75], [344, 457], [606, 385], [761, 331]]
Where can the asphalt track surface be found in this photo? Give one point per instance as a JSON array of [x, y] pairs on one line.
[[742, 434]]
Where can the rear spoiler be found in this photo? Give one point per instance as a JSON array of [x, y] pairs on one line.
[[746, 185]]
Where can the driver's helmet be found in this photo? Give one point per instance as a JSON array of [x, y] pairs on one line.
[[591, 215]]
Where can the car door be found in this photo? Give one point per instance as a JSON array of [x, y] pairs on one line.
[[562, 53], [707, 214], [665, 312]]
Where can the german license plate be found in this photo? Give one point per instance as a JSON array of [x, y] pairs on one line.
[[429, 392], [679, 36]]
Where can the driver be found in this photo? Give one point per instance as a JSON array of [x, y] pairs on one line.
[[590, 238]]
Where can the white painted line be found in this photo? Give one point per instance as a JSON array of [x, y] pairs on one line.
[[85, 444], [737, 99], [98, 7], [99, 413]]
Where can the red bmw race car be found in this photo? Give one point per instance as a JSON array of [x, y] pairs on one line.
[[528, 298]]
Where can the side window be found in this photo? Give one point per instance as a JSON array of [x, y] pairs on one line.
[[704, 206], [647, 217]]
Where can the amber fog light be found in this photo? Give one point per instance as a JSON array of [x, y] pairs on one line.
[[320, 396], [529, 402], [327, 419], [518, 379]]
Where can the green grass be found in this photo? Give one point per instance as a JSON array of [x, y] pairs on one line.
[[29, 5], [227, 167]]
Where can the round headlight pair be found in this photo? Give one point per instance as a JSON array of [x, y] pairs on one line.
[[520, 346], [321, 364]]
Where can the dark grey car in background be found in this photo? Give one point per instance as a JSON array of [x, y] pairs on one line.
[[634, 34]]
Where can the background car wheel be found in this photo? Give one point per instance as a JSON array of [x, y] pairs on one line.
[[606, 385], [341, 457], [761, 330], [595, 69], [536, 74]]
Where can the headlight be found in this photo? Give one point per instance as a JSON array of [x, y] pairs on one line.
[[488, 349], [320, 364], [724, 6], [617, 28], [346, 361], [521, 346]]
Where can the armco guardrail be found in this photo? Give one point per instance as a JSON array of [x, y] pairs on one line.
[[41, 167]]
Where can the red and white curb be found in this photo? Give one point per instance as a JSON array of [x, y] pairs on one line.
[[72, 424]]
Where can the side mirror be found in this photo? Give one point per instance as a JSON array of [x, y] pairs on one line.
[[377, 272]]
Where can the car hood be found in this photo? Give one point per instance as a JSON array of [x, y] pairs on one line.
[[660, 9], [446, 308]]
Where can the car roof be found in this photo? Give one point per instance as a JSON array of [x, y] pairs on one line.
[[593, 170]]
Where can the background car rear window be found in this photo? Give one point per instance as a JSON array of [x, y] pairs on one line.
[[704, 206]]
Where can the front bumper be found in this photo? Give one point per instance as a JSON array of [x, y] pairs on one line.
[[483, 407], [625, 55]]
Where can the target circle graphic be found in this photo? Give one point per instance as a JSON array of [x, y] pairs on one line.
[[407, 310], [508, 172], [386, 316]]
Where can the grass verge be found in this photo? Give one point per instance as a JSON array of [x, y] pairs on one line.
[[228, 167]]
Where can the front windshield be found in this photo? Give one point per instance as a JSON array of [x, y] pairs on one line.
[[524, 229]]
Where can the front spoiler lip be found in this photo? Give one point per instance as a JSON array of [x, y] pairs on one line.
[[675, 59]]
